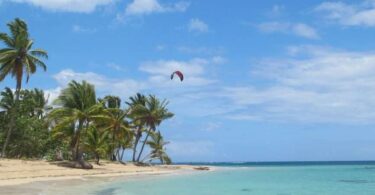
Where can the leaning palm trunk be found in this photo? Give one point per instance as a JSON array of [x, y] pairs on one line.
[[143, 145], [161, 160], [118, 154], [137, 138], [12, 120], [122, 155]]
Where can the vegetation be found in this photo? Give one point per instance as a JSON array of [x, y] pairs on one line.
[[77, 126], [16, 59], [157, 145]]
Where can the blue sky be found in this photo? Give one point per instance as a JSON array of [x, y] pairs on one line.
[[265, 81]]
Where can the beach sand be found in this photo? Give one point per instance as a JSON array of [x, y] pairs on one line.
[[16, 172]]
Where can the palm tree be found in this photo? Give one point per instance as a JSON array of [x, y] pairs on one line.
[[112, 101], [40, 103], [96, 142], [114, 121], [157, 144], [63, 135], [77, 104], [152, 114], [16, 59], [7, 102], [35, 102], [137, 100], [7, 107]]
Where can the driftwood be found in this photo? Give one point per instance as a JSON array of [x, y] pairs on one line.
[[142, 164], [76, 164], [83, 165], [202, 168]]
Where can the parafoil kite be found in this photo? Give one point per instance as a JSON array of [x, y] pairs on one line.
[[179, 74]]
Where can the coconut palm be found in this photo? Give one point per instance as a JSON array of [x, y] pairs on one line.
[[7, 102], [152, 114], [96, 142], [7, 107], [31, 130], [18, 58], [35, 103], [77, 104], [112, 101], [158, 151], [114, 121], [134, 101]]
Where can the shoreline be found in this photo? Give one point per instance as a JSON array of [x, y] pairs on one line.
[[18, 172]]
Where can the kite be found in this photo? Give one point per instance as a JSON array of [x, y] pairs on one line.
[[179, 74]]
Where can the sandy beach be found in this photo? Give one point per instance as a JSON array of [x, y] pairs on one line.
[[16, 172]]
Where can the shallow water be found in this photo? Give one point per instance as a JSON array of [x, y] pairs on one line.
[[275, 180], [283, 180]]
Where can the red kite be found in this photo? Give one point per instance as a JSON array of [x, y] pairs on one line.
[[179, 74]]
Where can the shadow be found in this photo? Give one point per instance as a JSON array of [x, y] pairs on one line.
[[73, 164], [355, 181], [109, 191]]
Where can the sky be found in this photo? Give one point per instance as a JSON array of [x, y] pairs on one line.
[[264, 81]]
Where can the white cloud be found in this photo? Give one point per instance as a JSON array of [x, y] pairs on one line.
[[318, 85], [157, 80], [197, 25], [104, 85], [83, 6], [81, 29], [305, 30], [299, 29], [277, 10], [193, 67], [116, 67], [193, 70], [218, 60], [52, 94], [349, 14], [212, 126], [144, 7], [160, 47]]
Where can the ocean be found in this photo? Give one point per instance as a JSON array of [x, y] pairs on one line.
[[338, 178], [285, 178]]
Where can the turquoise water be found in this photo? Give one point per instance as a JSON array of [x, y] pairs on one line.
[[250, 179]]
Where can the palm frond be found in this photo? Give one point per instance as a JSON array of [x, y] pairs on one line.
[[8, 41], [39, 53]]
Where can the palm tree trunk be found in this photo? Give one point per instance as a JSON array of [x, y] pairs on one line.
[[118, 153], [114, 152], [138, 136], [97, 157], [77, 154], [147, 157], [12, 119], [161, 160], [122, 154], [143, 145]]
